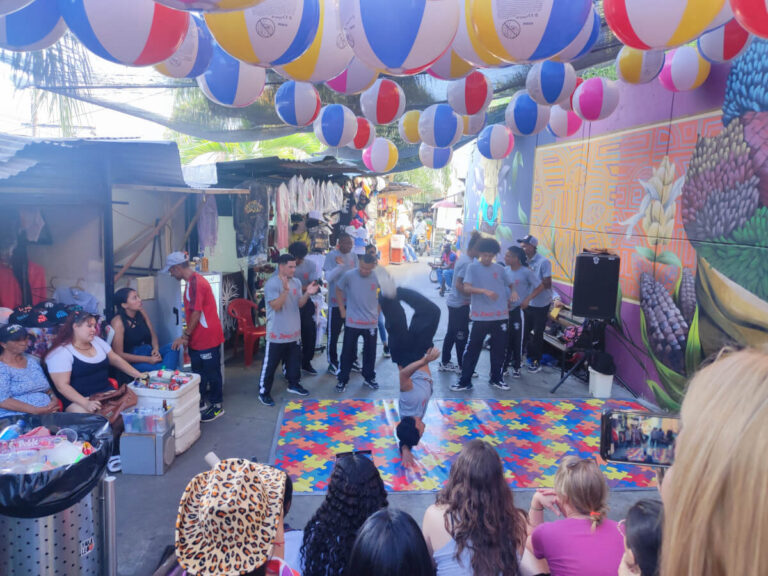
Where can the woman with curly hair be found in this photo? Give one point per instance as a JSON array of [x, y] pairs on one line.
[[474, 527], [355, 491]]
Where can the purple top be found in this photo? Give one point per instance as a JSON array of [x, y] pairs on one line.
[[571, 548]]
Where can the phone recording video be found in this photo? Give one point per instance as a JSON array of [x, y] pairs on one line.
[[633, 437]]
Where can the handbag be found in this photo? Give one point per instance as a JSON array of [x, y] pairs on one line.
[[113, 402]]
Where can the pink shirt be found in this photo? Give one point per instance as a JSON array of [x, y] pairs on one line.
[[571, 548]]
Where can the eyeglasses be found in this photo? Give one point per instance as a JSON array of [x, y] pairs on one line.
[[367, 453]]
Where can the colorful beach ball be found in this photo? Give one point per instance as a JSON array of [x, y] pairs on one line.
[[381, 156], [365, 135], [209, 5], [495, 142], [467, 44], [470, 95], [567, 104], [635, 66], [231, 83], [550, 82], [724, 43], [684, 69], [34, 27], [328, 55], [434, 158], [584, 41], [401, 37], [8, 6], [524, 116], [725, 15], [193, 56], [384, 102], [519, 34], [136, 33], [440, 126], [336, 125], [355, 79], [297, 103], [563, 123], [473, 124], [408, 126], [271, 33], [752, 15], [658, 25], [595, 99], [450, 66]]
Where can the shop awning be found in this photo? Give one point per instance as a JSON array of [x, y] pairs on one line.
[[320, 168]]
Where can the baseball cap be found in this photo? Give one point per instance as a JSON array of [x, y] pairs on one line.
[[173, 259], [528, 240], [12, 333]]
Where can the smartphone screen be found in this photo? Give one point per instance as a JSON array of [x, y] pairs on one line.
[[634, 437]]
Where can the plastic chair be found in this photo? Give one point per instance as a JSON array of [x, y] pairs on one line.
[[240, 309]]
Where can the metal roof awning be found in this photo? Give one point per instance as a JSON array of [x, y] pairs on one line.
[[277, 169]]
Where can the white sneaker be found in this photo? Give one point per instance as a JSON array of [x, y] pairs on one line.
[[447, 367], [386, 282]]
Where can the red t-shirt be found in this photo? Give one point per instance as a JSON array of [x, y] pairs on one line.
[[10, 291], [199, 296]]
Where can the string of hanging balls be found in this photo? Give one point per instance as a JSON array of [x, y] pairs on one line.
[[227, 45]]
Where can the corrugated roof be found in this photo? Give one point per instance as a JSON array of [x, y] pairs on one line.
[[321, 167]]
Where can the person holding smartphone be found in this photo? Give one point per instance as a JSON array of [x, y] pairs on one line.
[[308, 274]]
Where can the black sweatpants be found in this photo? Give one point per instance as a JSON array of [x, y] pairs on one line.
[[308, 333], [536, 320], [497, 329], [409, 343], [456, 334], [207, 363], [289, 353], [335, 326], [515, 344], [349, 352]]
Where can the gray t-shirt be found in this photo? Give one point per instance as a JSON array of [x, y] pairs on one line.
[[495, 278], [523, 282], [283, 325], [362, 299], [414, 402], [306, 272], [335, 271], [455, 298], [543, 269]]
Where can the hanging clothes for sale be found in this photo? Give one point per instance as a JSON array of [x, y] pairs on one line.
[[251, 221], [283, 220], [208, 223]]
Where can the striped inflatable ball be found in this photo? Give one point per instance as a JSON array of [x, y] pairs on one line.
[[209, 5], [495, 142], [684, 69], [440, 126], [724, 43], [384, 102], [8, 6], [635, 66], [231, 83], [752, 15], [355, 79], [524, 116], [336, 125], [193, 56], [434, 158], [408, 126], [550, 82], [584, 41], [595, 99], [365, 135], [450, 66], [381, 156], [467, 44], [563, 123], [470, 95], [34, 27], [473, 124], [297, 103]]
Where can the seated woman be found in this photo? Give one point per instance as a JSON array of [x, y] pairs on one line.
[[24, 388], [135, 339], [474, 526], [584, 541], [445, 272]]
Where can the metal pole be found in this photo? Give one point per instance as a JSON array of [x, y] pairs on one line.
[[110, 526]]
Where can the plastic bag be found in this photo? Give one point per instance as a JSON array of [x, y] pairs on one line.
[[45, 493]]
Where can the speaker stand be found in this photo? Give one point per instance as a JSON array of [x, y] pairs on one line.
[[595, 330], [570, 372]]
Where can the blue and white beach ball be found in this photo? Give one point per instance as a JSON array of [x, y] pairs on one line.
[[584, 41], [193, 56], [210, 5], [440, 126], [297, 103], [384, 102], [231, 83], [401, 37], [34, 27], [135, 33], [8, 6], [525, 116], [550, 82], [272, 33], [473, 124], [495, 142], [434, 158], [336, 125]]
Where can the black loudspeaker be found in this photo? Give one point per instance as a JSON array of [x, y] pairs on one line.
[[596, 285]]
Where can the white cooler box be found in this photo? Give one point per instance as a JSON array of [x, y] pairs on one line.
[[186, 409]]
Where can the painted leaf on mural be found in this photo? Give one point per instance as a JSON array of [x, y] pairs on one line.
[[669, 258], [617, 314], [693, 352], [521, 215], [662, 398], [647, 253], [504, 234]]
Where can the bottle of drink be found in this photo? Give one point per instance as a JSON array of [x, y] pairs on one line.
[[13, 431]]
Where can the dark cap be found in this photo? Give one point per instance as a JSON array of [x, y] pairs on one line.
[[12, 333], [528, 240]]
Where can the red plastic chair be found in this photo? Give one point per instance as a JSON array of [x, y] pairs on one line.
[[240, 310]]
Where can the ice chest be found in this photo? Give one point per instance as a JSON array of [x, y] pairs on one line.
[[148, 454]]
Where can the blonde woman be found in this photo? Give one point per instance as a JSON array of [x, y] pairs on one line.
[[716, 494], [584, 541]]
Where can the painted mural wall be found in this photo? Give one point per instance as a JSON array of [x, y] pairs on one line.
[[677, 185]]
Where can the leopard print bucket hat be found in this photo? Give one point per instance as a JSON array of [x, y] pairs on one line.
[[228, 518]]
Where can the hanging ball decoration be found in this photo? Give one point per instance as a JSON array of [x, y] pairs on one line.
[[355, 79], [8, 6], [366, 134], [381, 156], [328, 55], [724, 43], [524, 116], [408, 126], [231, 83], [209, 5], [550, 82], [384, 102], [434, 158], [467, 44], [193, 56], [297, 103], [34, 27], [662, 24], [519, 34], [585, 40], [450, 66], [495, 142], [470, 95], [563, 123], [440, 126], [684, 69], [752, 15], [271, 33], [635, 66], [336, 125], [401, 37], [473, 124], [725, 15], [567, 104], [595, 99], [135, 33]]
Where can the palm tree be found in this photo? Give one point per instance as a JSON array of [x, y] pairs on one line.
[[295, 147]]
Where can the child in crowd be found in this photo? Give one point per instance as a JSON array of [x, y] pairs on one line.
[[524, 281], [642, 539]]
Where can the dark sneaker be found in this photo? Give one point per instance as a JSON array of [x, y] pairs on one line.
[[500, 385], [266, 399], [386, 351], [333, 370], [212, 413], [356, 367], [340, 387], [310, 370], [516, 373], [372, 384], [459, 387], [534, 367], [298, 389], [505, 373]]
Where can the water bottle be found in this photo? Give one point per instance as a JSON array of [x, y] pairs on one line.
[[13, 431]]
